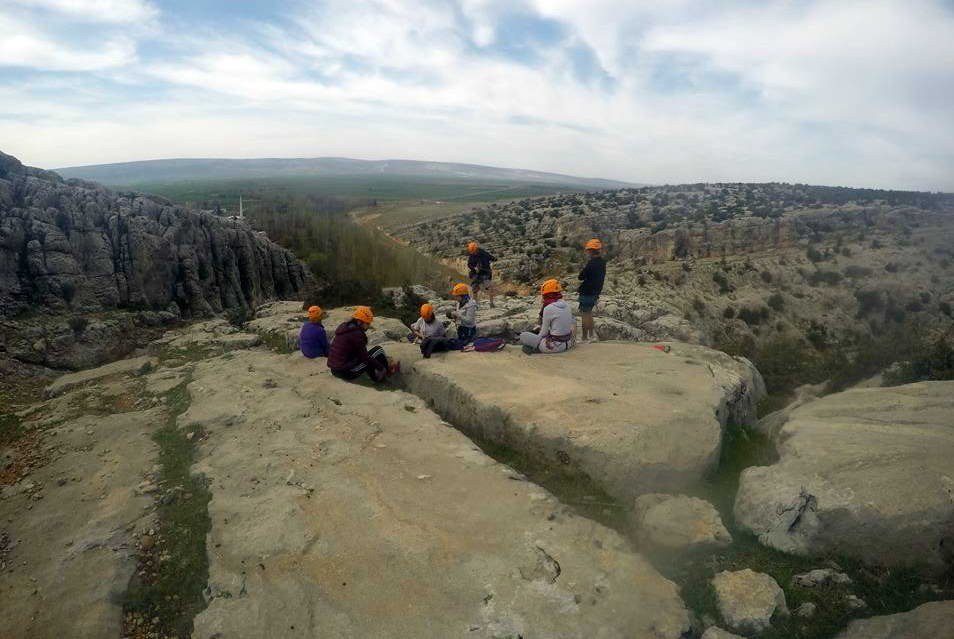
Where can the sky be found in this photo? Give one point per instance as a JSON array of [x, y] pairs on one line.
[[840, 92]]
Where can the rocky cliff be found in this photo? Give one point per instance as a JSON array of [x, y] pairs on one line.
[[75, 246]]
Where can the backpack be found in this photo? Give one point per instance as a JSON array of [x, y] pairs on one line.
[[485, 345]]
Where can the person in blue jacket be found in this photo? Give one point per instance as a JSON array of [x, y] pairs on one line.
[[313, 339]]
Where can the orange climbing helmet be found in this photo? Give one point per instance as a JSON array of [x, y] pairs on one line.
[[314, 313], [594, 245], [551, 286], [363, 314], [460, 289], [472, 248], [427, 311]]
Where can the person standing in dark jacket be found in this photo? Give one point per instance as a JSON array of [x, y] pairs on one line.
[[481, 273], [591, 285], [350, 358]]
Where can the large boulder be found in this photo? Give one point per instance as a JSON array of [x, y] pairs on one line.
[[678, 522], [748, 600], [632, 418], [931, 620], [338, 510], [865, 473]]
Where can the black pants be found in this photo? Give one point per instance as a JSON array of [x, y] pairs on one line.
[[376, 373], [466, 334], [434, 345]]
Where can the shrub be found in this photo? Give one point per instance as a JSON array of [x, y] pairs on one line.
[[945, 308], [776, 302], [893, 312], [891, 267], [728, 313], [752, 316], [932, 360], [914, 306], [78, 325], [869, 301], [766, 277], [699, 306], [720, 278], [827, 277], [814, 254], [857, 272]]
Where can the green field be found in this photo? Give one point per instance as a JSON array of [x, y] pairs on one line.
[[356, 189]]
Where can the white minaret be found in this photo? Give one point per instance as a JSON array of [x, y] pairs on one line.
[[241, 211]]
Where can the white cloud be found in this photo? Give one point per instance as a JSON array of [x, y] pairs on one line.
[[120, 11], [25, 46]]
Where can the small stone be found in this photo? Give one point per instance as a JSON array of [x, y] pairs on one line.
[[424, 476], [820, 577], [189, 436], [806, 610], [854, 602], [147, 542]]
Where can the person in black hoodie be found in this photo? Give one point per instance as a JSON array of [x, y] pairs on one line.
[[349, 357], [591, 285], [481, 273]]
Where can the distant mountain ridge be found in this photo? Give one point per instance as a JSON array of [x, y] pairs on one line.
[[176, 170]]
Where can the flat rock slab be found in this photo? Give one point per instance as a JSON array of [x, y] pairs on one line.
[[70, 381], [631, 417], [341, 510], [866, 473], [74, 549], [929, 621], [216, 333]]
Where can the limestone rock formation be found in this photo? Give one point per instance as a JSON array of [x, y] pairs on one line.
[[865, 473], [74, 245], [934, 619], [359, 513], [747, 600], [632, 418], [678, 522]]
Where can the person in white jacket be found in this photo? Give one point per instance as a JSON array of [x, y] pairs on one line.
[[466, 314], [557, 325]]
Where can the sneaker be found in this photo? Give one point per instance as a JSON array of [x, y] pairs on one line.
[[529, 350]]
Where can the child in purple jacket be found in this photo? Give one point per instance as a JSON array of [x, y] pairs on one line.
[[313, 340]]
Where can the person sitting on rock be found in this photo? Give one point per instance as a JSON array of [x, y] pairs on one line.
[[349, 357], [466, 314], [481, 273], [428, 331], [557, 326], [312, 339], [591, 285]]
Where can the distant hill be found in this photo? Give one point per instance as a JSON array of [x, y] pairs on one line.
[[181, 170]]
